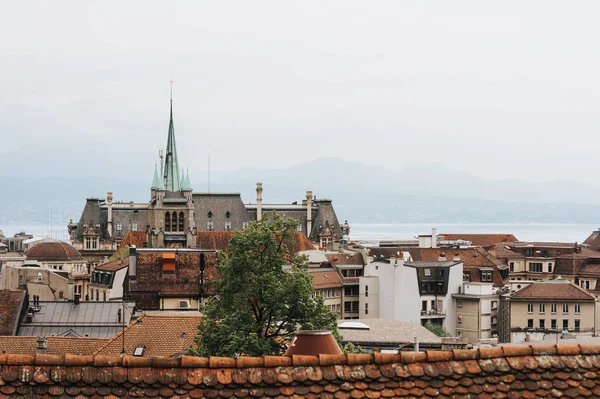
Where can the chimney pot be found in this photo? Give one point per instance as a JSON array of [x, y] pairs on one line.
[[313, 342]]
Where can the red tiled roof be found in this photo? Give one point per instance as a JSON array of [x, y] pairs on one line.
[[593, 240], [10, 310], [346, 258], [56, 345], [480, 239], [53, 251], [176, 335], [114, 265], [325, 279], [536, 371], [135, 238], [557, 289]]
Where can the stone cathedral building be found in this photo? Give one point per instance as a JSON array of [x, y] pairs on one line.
[[175, 213]]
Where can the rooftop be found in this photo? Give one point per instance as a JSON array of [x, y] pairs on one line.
[[11, 303], [50, 250], [325, 278], [56, 345], [478, 240], [388, 331], [553, 289], [114, 265], [503, 372], [445, 263]]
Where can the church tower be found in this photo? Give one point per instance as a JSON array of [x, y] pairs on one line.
[[171, 209]]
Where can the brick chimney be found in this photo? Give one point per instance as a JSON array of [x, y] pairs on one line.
[[259, 191]]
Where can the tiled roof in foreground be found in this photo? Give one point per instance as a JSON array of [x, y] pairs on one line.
[[504, 372]]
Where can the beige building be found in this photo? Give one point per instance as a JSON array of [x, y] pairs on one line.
[[477, 311], [541, 310], [47, 284], [327, 284]]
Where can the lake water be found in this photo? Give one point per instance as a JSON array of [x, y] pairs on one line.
[[380, 231]]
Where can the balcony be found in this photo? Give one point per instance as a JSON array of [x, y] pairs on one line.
[[432, 314]]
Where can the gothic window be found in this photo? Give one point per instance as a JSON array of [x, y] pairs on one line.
[[174, 221], [167, 221], [227, 214], [180, 221]]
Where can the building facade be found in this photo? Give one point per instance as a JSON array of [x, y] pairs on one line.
[[477, 306]]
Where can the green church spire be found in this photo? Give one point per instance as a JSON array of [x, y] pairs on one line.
[[155, 180], [171, 177]]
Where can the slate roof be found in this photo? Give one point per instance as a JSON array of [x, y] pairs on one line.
[[536, 371], [480, 239], [446, 263], [87, 319], [553, 289], [56, 345], [11, 305], [219, 240], [325, 278], [176, 335], [53, 251]]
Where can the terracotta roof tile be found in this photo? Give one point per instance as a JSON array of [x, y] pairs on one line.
[[325, 278], [497, 373], [11, 303], [53, 251], [176, 335], [556, 289], [56, 345], [114, 265]]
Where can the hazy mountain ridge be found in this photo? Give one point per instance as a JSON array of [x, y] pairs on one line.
[[361, 193]]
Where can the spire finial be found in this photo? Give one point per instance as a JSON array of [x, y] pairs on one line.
[[171, 89]]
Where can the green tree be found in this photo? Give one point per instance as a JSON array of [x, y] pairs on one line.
[[264, 294], [437, 329]]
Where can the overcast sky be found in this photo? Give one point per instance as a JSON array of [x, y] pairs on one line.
[[509, 89]]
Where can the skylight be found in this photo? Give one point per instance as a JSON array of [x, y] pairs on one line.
[[139, 351]]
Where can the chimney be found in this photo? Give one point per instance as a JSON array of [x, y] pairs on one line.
[[109, 202], [132, 263], [456, 257], [313, 342], [442, 257], [76, 299], [259, 190], [434, 238], [308, 213], [42, 344]]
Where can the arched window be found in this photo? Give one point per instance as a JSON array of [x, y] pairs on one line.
[[180, 221], [167, 221], [174, 221]]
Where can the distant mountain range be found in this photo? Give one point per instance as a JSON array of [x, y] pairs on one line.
[[361, 193]]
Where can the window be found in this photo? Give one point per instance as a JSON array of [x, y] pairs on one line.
[[167, 221], [542, 324], [535, 267], [119, 226], [139, 351], [227, 215], [577, 324], [210, 226], [227, 226], [351, 290], [542, 308], [441, 272], [366, 290], [494, 304], [529, 323], [88, 243], [299, 228], [459, 334], [181, 219], [577, 308], [423, 306], [459, 319], [565, 308], [433, 305], [512, 266], [134, 226], [104, 292], [549, 267], [553, 324], [244, 225], [427, 272], [494, 319], [466, 276], [530, 308], [553, 308], [366, 308], [565, 324], [459, 303], [486, 275]]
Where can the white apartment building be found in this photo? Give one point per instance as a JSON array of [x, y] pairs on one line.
[[397, 288]]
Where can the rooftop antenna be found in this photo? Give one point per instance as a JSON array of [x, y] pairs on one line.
[[209, 173]]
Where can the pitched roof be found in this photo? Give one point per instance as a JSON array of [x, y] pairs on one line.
[[134, 238], [346, 258], [11, 303], [385, 331], [593, 240], [480, 239], [325, 278], [553, 289], [56, 345], [176, 335], [526, 371], [114, 265], [50, 250]]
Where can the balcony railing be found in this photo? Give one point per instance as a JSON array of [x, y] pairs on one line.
[[433, 313]]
